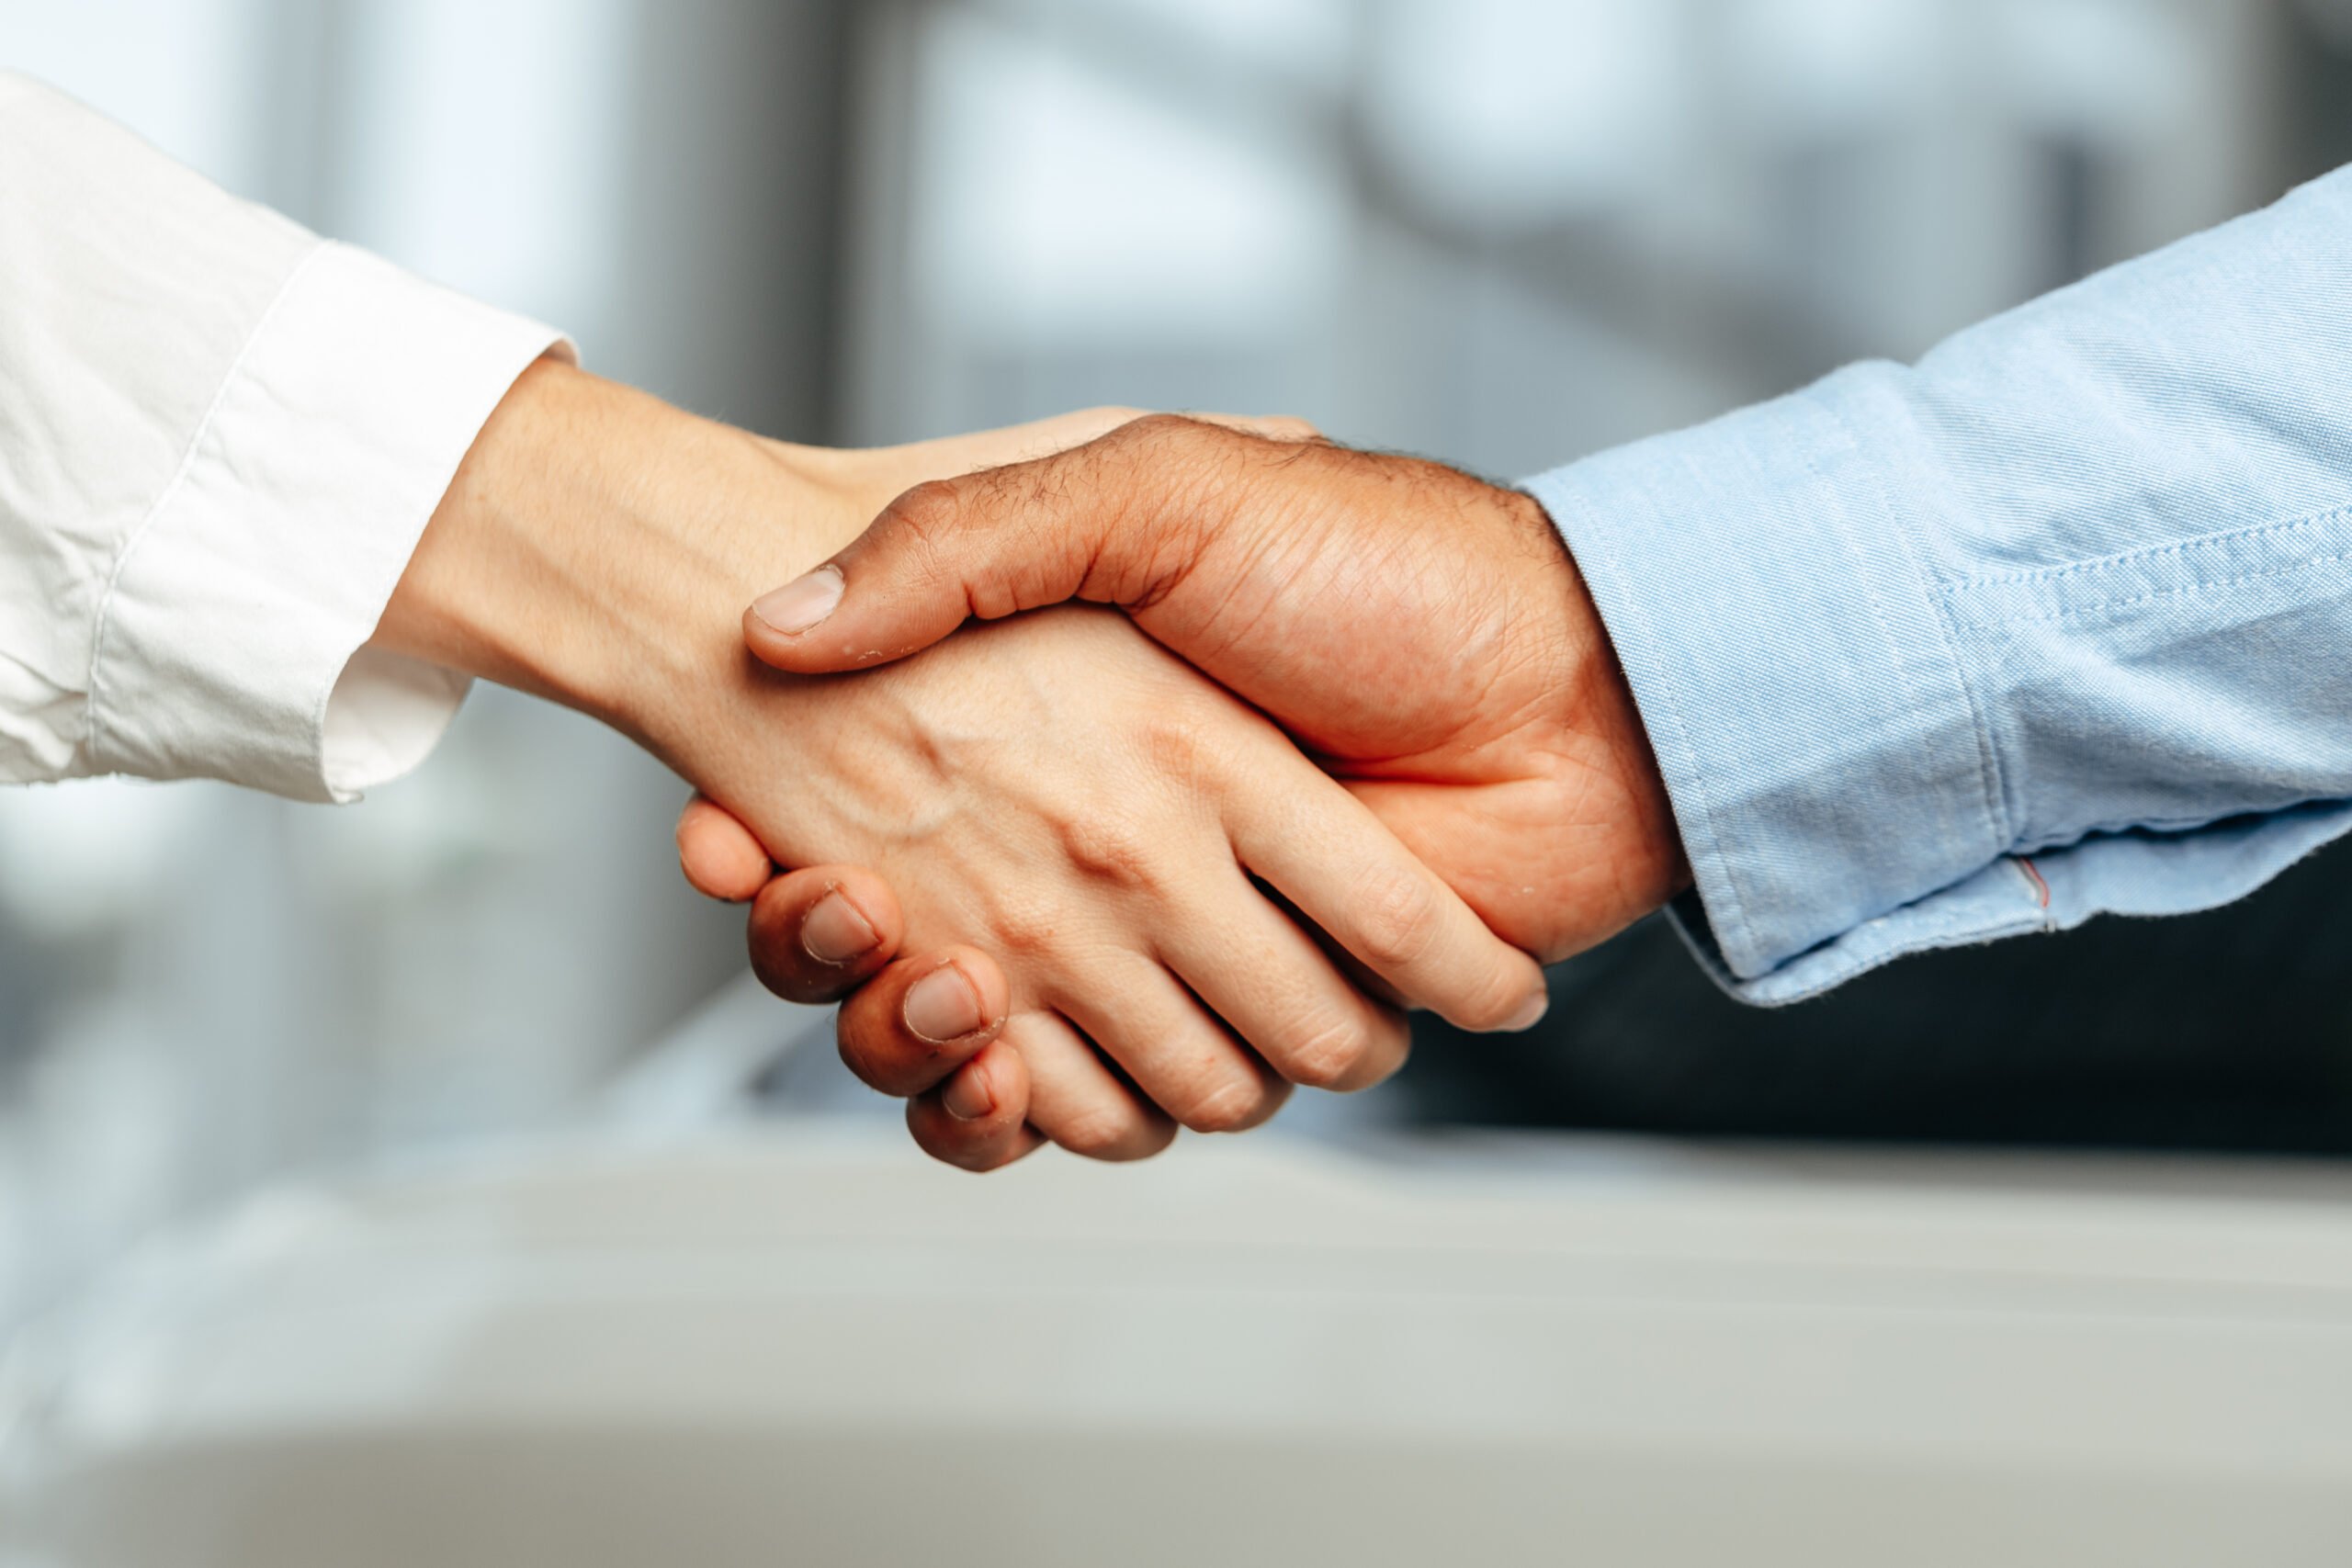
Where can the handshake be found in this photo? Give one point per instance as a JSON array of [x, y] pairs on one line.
[[1267, 739]]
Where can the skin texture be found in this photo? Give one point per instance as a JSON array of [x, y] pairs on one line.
[[1059, 792], [1423, 635]]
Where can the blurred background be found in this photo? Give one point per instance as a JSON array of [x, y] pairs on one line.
[[1505, 233]]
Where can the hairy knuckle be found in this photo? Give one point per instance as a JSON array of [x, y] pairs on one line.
[[1172, 430], [930, 505], [923, 519], [1155, 426]]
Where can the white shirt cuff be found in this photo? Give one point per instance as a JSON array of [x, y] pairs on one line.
[[230, 643]]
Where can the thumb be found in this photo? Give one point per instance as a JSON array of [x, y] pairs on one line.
[[1112, 522]]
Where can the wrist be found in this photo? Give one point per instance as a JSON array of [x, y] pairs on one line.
[[597, 546], [1662, 868], [1611, 742]]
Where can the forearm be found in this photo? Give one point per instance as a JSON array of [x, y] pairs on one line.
[[597, 547]]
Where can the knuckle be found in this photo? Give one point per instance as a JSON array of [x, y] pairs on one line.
[[1021, 925], [1113, 851], [923, 519], [1178, 744], [1025, 940], [931, 504], [1497, 999], [1398, 922], [1112, 1134], [1232, 1105], [1332, 1053], [1154, 422], [1165, 428]]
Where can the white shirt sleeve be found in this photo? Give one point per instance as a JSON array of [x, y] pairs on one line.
[[220, 439]]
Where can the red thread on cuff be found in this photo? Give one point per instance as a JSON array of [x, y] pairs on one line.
[[2040, 888]]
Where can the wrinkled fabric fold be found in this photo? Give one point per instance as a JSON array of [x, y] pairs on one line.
[[220, 439]]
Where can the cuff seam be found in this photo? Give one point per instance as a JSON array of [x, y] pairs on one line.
[[1991, 781]]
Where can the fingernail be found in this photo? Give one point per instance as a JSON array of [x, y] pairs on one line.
[[967, 1096], [942, 1006], [835, 932], [801, 603], [1529, 1016]]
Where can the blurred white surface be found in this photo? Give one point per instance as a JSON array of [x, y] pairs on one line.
[[794, 1346]]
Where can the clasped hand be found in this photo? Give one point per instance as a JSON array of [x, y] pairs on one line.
[[1382, 754]]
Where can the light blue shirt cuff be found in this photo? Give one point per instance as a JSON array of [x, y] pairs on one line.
[[1794, 670], [1832, 773]]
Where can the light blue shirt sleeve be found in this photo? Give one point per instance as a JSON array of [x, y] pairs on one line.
[[2057, 623]]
